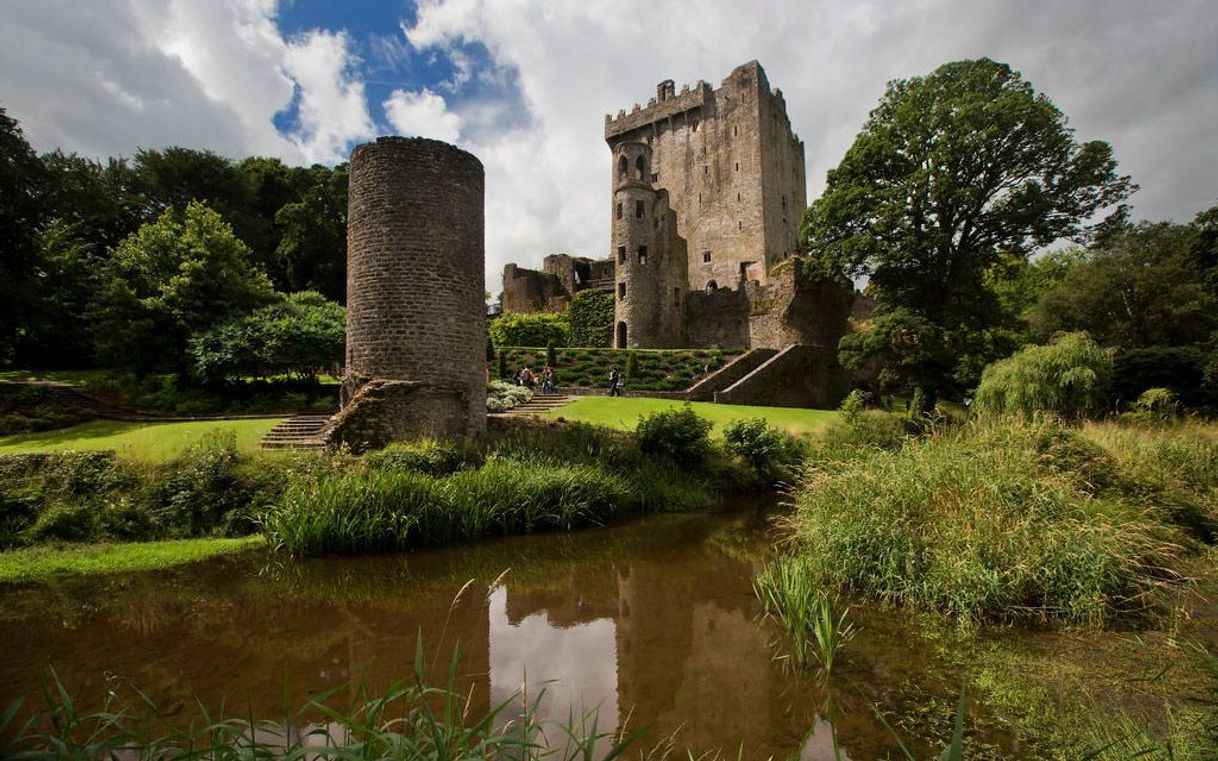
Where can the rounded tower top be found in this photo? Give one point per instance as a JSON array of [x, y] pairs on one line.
[[631, 165]]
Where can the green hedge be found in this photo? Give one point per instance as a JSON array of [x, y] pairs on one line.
[[658, 369], [535, 329]]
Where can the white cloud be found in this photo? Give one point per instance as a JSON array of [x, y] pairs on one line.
[[107, 77], [1142, 76], [422, 113]]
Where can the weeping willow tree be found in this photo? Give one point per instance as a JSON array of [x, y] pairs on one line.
[[1068, 376]]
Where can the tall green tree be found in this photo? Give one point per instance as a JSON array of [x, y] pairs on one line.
[[1145, 286], [312, 247], [22, 185], [175, 277], [951, 172]]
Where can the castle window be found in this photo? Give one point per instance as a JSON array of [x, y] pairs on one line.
[[638, 209], [676, 297], [621, 335], [655, 177], [712, 286], [706, 256], [739, 225], [619, 210], [735, 131], [621, 254], [737, 166], [784, 203], [641, 165], [622, 167], [621, 291], [642, 254], [737, 196]]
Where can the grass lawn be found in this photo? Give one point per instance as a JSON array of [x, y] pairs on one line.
[[41, 563], [623, 413], [149, 442]]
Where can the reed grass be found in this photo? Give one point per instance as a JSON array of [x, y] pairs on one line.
[[408, 721], [806, 613], [973, 523]]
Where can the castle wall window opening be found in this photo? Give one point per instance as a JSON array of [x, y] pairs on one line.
[[622, 167], [706, 256], [641, 165], [638, 209], [619, 210], [642, 254], [621, 254], [621, 291]]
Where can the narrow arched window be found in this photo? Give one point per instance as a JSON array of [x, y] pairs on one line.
[[712, 286], [641, 164], [622, 167]]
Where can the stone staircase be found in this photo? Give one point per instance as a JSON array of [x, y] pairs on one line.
[[297, 432], [539, 405]]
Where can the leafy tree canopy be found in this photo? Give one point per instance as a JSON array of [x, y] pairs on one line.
[[539, 329], [952, 172]]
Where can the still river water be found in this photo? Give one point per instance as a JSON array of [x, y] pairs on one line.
[[654, 621]]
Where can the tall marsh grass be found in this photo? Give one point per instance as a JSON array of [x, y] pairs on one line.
[[815, 630], [408, 721], [977, 524]]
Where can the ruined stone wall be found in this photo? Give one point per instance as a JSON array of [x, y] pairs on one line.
[[415, 288], [526, 290], [725, 157], [718, 320], [795, 308], [798, 376]]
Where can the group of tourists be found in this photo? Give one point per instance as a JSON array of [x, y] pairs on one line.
[[547, 379]]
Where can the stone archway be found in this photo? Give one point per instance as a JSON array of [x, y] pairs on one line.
[[621, 335]]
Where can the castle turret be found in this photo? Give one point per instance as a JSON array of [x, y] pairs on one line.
[[651, 259]]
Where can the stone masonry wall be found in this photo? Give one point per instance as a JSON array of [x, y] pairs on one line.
[[415, 290]]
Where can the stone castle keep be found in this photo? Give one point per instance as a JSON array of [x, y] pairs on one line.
[[708, 191]]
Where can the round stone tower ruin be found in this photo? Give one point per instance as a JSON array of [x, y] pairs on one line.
[[415, 295]]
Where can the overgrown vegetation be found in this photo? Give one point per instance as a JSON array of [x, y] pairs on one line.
[[536, 329], [591, 316], [26, 409], [1012, 521], [1068, 377], [502, 396], [409, 720]]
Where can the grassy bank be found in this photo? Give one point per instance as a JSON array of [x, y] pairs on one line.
[[1014, 521], [654, 369], [143, 442], [46, 562], [623, 413]]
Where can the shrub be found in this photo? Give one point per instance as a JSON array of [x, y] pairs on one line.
[[757, 443], [851, 407], [434, 458], [65, 522], [1158, 403], [537, 329], [203, 490], [1068, 377], [591, 317], [502, 396], [678, 434]]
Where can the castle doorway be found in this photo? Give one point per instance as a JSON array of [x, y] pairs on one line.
[[621, 335]]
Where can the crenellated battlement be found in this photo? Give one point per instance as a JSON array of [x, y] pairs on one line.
[[666, 104]]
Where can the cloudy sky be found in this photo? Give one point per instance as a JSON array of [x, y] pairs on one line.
[[525, 84]]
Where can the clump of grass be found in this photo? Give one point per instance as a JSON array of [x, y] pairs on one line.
[[970, 523], [788, 593], [408, 721]]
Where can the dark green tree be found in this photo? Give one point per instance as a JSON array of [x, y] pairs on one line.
[[312, 230], [951, 172], [22, 186], [173, 278], [1142, 287]]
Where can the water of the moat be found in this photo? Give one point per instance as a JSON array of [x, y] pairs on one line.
[[654, 621]]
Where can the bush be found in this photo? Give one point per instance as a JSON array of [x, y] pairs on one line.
[[591, 317], [1068, 377], [1158, 403], [431, 457], [677, 434], [852, 406], [758, 443], [537, 329], [502, 396]]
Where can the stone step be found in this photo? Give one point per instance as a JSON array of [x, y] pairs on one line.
[[297, 432]]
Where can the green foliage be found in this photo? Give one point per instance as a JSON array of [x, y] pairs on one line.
[[427, 456], [536, 329], [32, 408], [503, 363], [632, 365], [759, 444], [980, 523], [851, 407], [1160, 403], [1140, 287], [490, 350], [591, 317], [301, 335], [551, 355], [1182, 369], [1068, 377], [173, 278], [679, 435], [788, 593], [952, 174], [22, 183]]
